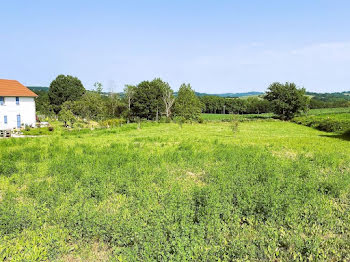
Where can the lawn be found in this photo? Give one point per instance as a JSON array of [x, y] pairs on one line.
[[272, 191]]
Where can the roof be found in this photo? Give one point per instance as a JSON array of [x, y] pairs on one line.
[[14, 88]]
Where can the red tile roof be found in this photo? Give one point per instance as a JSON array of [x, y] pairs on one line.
[[14, 88]]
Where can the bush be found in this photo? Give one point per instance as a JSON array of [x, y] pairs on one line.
[[329, 123]]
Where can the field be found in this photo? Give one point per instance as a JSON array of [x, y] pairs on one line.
[[327, 111], [272, 191], [229, 117], [323, 111], [329, 119]]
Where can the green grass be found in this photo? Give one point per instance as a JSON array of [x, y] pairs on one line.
[[229, 117], [328, 119], [273, 191], [326, 111]]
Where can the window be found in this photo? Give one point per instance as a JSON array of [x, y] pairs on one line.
[[2, 100], [5, 119], [17, 100]]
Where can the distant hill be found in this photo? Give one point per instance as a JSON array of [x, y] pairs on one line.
[[45, 88], [330, 96], [38, 88], [253, 93], [320, 96]]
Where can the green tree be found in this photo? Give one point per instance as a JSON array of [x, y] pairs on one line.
[[89, 106], [168, 99], [287, 100], [187, 104], [64, 88], [66, 116], [115, 106], [129, 92], [147, 100], [98, 87]]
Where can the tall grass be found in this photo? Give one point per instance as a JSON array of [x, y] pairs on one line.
[[270, 191]]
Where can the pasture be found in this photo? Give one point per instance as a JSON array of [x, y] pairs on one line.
[[230, 117], [272, 191], [327, 119]]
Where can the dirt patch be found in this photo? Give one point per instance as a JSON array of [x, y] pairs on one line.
[[285, 154], [192, 178], [97, 252]]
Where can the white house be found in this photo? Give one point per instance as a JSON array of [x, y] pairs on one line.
[[17, 105]]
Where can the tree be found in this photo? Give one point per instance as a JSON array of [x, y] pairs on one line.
[[114, 105], [147, 100], [64, 88], [187, 104], [287, 100], [257, 105], [129, 92], [168, 99], [89, 106], [98, 87], [66, 115]]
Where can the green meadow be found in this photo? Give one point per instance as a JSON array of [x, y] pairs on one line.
[[230, 117], [270, 191]]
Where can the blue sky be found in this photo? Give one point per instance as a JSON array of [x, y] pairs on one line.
[[217, 46]]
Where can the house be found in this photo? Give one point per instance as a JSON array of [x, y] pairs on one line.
[[17, 105]]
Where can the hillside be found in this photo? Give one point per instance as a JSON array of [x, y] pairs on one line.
[[38, 88]]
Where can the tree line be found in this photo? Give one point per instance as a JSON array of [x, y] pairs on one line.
[[152, 100], [68, 100]]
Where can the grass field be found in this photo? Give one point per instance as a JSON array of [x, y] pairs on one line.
[[229, 117], [326, 111], [273, 191], [327, 119], [312, 112]]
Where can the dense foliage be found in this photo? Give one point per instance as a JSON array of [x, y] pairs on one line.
[[227, 105], [337, 120], [147, 99], [155, 99], [187, 104], [286, 99], [64, 88]]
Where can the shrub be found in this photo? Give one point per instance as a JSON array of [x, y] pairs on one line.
[[114, 122], [329, 123], [234, 126]]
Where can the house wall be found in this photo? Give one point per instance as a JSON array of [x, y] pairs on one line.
[[26, 109]]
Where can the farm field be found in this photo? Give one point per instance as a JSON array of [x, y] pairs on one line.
[[272, 191], [228, 117], [323, 111], [329, 119]]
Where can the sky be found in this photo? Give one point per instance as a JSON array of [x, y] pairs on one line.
[[217, 46]]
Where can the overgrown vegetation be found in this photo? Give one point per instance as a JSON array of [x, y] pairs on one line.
[[336, 120], [273, 191]]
